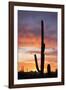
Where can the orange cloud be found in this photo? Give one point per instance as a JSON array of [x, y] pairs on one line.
[[50, 42], [36, 42], [29, 41]]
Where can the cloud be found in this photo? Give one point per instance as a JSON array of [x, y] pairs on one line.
[[29, 37], [48, 51], [27, 53], [31, 40]]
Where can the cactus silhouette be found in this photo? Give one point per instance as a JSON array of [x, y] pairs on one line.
[[48, 69], [42, 51]]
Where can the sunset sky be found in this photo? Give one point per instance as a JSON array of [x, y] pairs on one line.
[[29, 39]]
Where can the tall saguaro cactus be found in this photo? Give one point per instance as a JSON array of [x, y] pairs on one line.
[[42, 51]]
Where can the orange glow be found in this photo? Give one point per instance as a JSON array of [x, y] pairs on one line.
[[28, 67], [36, 42], [29, 41]]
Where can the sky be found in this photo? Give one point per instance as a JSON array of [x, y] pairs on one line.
[[29, 39]]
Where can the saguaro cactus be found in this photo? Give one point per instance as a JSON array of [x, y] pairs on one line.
[[42, 51], [48, 69]]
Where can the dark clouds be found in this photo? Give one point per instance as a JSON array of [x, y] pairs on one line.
[[29, 22]]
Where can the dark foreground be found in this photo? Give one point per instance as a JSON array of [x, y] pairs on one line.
[[32, 75]]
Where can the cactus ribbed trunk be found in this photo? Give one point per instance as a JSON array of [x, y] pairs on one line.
[[42, 47], [42, 51]]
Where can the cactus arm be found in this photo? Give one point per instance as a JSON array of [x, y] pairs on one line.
[[36, 63]]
